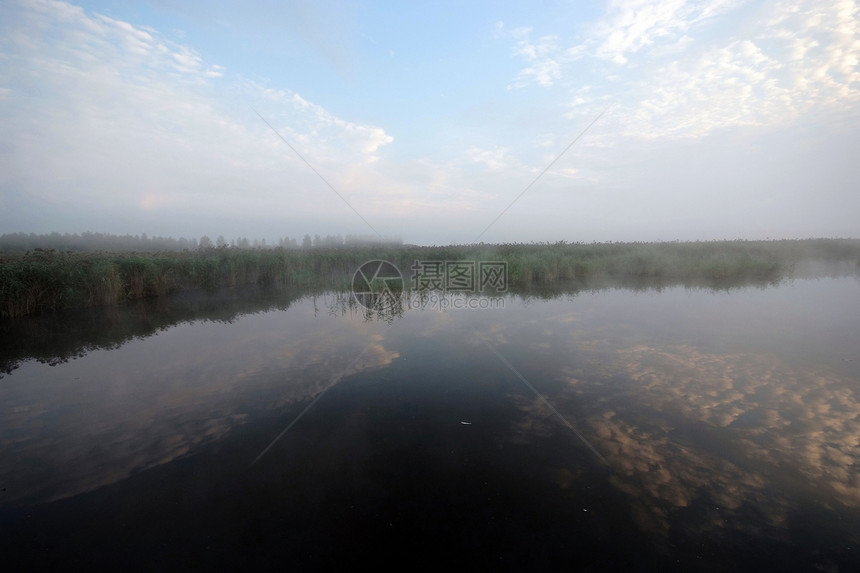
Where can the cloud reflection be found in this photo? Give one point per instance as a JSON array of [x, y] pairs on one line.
[[731, 431], [138, 407], [700, 439], [774, 413]]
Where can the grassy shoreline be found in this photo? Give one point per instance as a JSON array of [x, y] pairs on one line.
[[43, 280]]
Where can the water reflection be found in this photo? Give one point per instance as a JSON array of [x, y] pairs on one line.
[[743, 426], [99, 419], [58, 337], [55, 338], [730, 419], [761, 430]]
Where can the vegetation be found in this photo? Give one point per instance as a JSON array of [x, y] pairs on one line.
[[41, 280], [95, 242]]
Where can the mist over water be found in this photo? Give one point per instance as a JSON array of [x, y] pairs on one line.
[[725, 425]]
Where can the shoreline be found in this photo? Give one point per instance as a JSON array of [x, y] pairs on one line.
[[45, 280]]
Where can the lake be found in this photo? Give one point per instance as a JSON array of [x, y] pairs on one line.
[[651, 429]]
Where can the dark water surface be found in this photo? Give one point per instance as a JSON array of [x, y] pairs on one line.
[[655, 430]]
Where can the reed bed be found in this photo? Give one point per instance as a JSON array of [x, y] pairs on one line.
[[43, 280]]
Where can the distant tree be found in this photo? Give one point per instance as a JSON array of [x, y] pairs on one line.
[[306, 242], [89, 241], [220, 242], [205, 243]]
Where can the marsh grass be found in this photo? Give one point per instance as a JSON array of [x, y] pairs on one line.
[[49, 280]]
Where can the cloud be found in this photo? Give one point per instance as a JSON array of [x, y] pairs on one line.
[[793, 66], [543, 59], [630, 27], [727, 87], [494, 159], [683, 79], [315, 123], [103, 113]]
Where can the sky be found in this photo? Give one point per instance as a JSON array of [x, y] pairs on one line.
[[432, 122]]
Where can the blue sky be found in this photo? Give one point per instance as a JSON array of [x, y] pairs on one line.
[[723, 119]]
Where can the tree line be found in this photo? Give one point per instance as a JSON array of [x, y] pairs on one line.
[[95, 242]]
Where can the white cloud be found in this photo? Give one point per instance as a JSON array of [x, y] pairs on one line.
[[726, 87], [631, 26], [678, 79], [495, 159], [568, 172], [316, 126], [820, 45], [545, 59], [133, 40], [803, 59], [635, 25], [100, 112], [171, 135]]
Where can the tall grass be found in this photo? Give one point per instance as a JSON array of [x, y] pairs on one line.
[[48, 280]]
